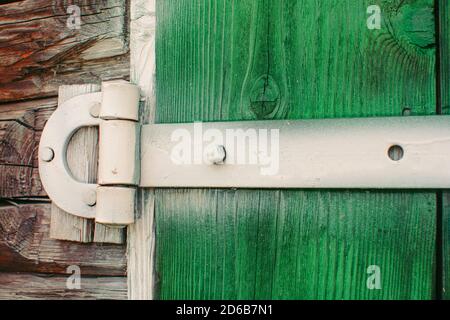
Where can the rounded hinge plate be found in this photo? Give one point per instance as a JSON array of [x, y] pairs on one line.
[[63, 189]]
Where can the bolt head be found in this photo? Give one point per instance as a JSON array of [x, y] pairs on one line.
[[407, 111], [90, 198], [47, 154], [216, 155]]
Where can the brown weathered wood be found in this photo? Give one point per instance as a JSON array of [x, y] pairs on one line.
[[141, 235], [26, 246], [11, 110], [17, 141], [20, 182], [32, 113], [21, 125], [82, 156], [34, 286], [17, 152], [38, 52]]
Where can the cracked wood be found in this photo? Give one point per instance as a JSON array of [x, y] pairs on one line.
[[38, 52], [26, 246]]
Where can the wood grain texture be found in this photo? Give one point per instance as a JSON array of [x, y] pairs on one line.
[[17, 150], [444, 45], [266, 59], [444, 84], [17, 286], [141, 250], [141, 234], [82, 158], [245, 60], [444, 284], [38, 52], [218, 244], [26, 246], [20, 127]]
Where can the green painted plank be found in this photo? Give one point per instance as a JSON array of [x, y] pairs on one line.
[[444, 26], [272, 59], [225, 244], [444, 44], [216, 60]]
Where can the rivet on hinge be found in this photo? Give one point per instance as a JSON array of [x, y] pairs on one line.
[[216, 155], [47, 154], [90, 198], [95, 110]]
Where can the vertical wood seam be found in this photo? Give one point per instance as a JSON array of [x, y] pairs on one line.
[[141, 235]]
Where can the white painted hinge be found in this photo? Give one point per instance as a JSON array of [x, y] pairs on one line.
[[115, 111], [392, 153]]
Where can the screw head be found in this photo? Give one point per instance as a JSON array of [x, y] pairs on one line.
[[90, 198], [47, 154], [406, 111], [216, 155]]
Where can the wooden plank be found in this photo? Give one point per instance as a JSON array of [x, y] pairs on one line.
[[38, 52], [141, 235], [444, 46], [268, 59], [444, 105], [12, 110], [17, 181], [26, 246], [377, 68], [16, 286], [21, 183], [141, 250], [227, 244], [21, 125], [82, 155], [17, 155]]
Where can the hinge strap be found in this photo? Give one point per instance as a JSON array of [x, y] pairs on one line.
[[369, 153]]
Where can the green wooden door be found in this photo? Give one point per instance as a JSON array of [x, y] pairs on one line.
[[294, 59], [443, 86]]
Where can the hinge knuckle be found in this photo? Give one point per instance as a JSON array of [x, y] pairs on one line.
[[118, 164], [120, 101], [115, 205]]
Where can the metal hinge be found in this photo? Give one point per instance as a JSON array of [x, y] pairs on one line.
[[115, 111], [392, 153]]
